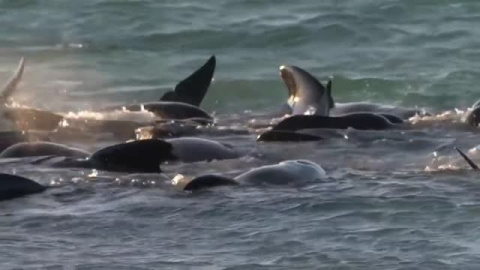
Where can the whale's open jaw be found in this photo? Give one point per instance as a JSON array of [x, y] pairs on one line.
[[289, 80]]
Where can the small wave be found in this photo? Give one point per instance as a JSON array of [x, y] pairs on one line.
[[450, 117], [124, 115]]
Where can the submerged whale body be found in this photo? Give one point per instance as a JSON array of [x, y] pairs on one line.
[[360, 121], [142, 156], [286, 136], [306, 95], [8, 139], [31, 149], [192, 149], [365, 107], [472, 116], [290, 172], [183, 101], [13, 186]]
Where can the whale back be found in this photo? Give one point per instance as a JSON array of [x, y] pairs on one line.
[[284, 173], [13, 186], [192, 149], [208, 181]]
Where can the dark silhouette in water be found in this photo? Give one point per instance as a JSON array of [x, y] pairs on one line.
[[468, 160], [13, 186], [192, 89], [360, 121]]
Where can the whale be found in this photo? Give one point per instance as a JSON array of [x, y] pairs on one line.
[[32, 149], [401, 113], [306, 95], [285, 173], [14, 186], [286, 136], [194, 149], [183, 102], [359, 121], [140, 156], [143, 156]]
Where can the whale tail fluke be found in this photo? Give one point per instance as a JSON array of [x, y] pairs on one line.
[[192, 89], [467, 159], [12, 84], [207, 181]]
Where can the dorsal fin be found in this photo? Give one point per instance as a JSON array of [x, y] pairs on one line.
[[469, 161], [11, 86], [192, 89]]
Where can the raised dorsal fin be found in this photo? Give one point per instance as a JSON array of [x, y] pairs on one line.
[[12, 84], [467, 159], [192, 89]]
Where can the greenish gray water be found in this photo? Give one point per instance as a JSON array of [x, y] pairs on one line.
[[379, 208]]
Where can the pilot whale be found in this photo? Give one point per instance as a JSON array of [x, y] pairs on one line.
[[133, 156], [14, 186], [289, 172], [183, 101], [308, 96]]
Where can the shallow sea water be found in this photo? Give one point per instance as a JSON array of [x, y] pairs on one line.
[[399, 199]]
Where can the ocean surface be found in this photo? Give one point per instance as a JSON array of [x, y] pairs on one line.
[[399, 199]]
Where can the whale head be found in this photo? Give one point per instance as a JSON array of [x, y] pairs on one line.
[[306, 94]]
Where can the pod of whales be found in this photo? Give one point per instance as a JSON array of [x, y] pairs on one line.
[[360, 121], [290, 172], [309, 102]]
